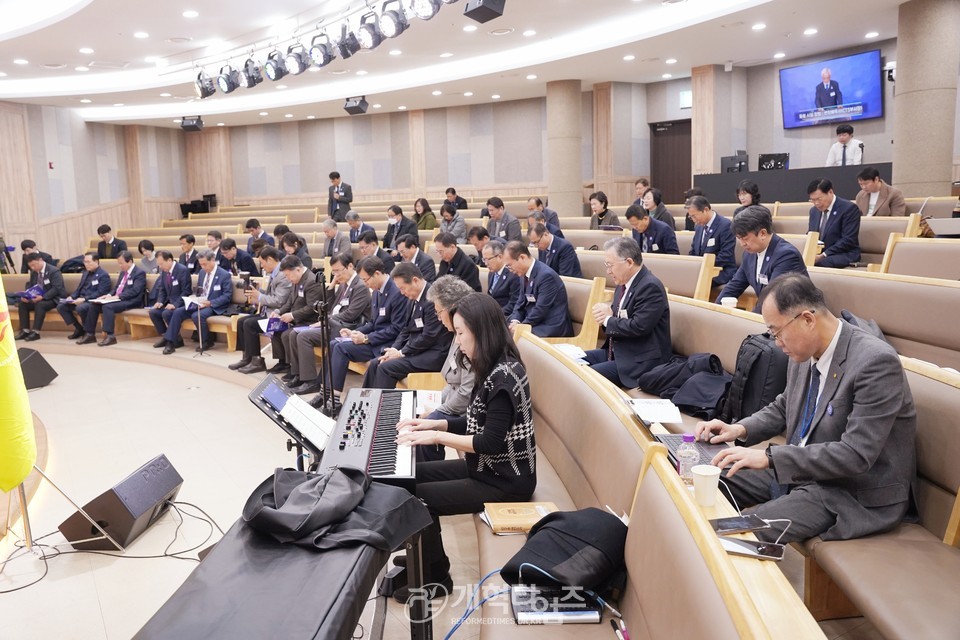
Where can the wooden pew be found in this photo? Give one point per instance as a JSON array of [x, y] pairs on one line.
[[294, 214], [13, 282], [202, 225], [582, 294], [874, 232], [923, 257], [683, 275], [935, 207]]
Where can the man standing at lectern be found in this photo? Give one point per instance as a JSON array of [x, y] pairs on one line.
[[828, 91]]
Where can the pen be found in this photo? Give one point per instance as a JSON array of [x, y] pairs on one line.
[[623, 629], [616, 630]]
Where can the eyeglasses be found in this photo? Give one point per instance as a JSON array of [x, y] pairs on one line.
[[777, 335], [609, 265]]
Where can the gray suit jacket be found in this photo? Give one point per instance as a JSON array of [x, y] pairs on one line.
[[340, 244], [275, 294], [354, 307], [860, 449], [507, 229], [457, 393]]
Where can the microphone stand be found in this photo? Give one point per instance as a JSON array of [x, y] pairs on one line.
[[861, 153], [200, 353], [325, 401]]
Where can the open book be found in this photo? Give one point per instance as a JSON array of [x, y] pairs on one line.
[[106, 299]]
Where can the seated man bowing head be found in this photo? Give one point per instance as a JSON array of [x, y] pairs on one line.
[[849, 465]]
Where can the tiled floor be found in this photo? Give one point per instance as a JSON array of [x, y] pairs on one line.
[[112, 409]]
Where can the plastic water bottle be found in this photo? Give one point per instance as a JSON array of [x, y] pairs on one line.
[[687, 457]]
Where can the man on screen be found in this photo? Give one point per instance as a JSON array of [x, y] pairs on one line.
[[828, 91]]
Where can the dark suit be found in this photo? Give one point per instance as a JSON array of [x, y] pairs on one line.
[[462, 267], [504, 287], [51, 280], [219, 294], [542, 303], [854, 475], [266, 237], [828, 97], [424, 342], [554, 229], [243, 261], [552, 217], [426, 265], [459, 202], [562, 258], [507, 228], [839, 233], [190, 261], [111, 250], [889, 202], [356, 233], [638, 332], [92, 285], [406, 227], [46, 257], [134, 286], [388, 261], [658, 238], [302, 304], [338, 208], [389, 310], [781, 257], [171, 288], [718, 239]]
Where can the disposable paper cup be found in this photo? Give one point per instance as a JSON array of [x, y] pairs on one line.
[[729, 302], [706, 478]]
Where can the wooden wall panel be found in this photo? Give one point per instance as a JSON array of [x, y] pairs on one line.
[[18, 211], [418, 152], [69, 235], [603, 137], [209, 164], [704, 157]]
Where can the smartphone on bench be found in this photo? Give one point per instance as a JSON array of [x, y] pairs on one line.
[[752, 548], [739, 524]]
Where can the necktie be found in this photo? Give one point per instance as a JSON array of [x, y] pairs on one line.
[[823, 222], [617, 298], [123, 282], [208, 280], [703, 238], [330, 249], [169, 280], [843, 158], [496, 279], [109, 250], [646, 243], [809, 407]]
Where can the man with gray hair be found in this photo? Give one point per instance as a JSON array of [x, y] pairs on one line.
[[502, 284], [637, 324], [539, 217], [357, 226], [336, 241], [214, 290]]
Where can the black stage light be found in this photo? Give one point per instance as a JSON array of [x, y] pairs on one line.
[[251, 75], [321, 52], [204, 85], [368, 33], [191, 123], [274, 67], [297, 59], [425, 9], [356, 106], [228, 80], [484, 10], [348, 44], [392, 21]]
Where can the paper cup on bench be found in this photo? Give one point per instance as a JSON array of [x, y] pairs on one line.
[[729, 302], [706, 479]]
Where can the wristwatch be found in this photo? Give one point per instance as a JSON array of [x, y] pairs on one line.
[[770, 457], [366, 339]]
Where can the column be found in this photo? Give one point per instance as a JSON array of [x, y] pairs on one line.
[[928, 62], [718, 119], [418, 154], [564, 144]]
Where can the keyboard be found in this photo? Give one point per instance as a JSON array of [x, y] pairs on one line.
[[707, 451]]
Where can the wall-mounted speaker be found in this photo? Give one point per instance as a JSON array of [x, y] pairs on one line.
[[191, 123], [484, 10]]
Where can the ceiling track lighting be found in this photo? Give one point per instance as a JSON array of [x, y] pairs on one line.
[[205, 85], [425, 9], [296, 60], [228, 80], [368, 33], [392, 21], [348, 44], [251, 74], [322, 52], [274, 67]]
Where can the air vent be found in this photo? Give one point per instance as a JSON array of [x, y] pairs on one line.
[[178, 40], [109, 66], [53, 66]]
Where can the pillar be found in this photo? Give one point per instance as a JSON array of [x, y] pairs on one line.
[[564, 147]]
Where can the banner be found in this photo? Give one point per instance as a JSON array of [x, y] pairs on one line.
[[18, 446]]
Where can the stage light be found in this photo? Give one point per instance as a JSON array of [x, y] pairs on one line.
[[297, 59], [348, 44], [204, 85], [321, 52], [356, 106], [392, 21], [425, 9], [368, 33], [484, 10], [449, 1], [274, 67], [251, 75], [228, 80]]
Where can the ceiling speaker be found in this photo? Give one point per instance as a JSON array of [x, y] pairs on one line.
[[356, 106], [484, 10], [191, 123]]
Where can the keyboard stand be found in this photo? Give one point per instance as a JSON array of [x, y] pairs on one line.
[[421, 619]]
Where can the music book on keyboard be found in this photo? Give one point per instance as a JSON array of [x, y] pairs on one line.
[[515, 517], [537, 605]]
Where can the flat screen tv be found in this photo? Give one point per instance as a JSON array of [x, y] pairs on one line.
[[835, 90]]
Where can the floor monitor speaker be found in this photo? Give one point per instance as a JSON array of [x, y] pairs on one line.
[[37, 372]]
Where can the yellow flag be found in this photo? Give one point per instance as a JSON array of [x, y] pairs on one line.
[[18, 446]]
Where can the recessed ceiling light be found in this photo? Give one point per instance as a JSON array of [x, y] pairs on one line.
[[446, 54], [53, 65], [667, 76], [502, 32], [495, 96], [339, 72], [189, 13], [3, 74], [671, 61], [629, 58], [470, 28], [86, 100], [288, 115], [81, 68], [311, 117], [118, 104], [759, 26], [178, 40], [264, 113], [152, 59], [165, 95], [529, 32], [376, 106], [778, 55], [438, 93], [812, 31], [141, 35], [532, 76], [395, 52], [467, 94], [86, 50], [401, 108], [361, 72], [281, 86], [871, 34], [21, 61], [219, 124], [177, 121]]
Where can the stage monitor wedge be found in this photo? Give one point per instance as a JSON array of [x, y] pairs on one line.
[[37, 372], [484, 10], [191, 123]]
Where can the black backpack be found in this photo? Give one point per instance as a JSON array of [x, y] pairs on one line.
[[760, 376]]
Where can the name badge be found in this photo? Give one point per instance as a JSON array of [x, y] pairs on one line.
[[216, 287], [344, 302], [46, 281], [95, 282], [833, 94], [531, 298], [189, 265], [300, 292], [418, 323], [336, 310], [503, 233], [654, 247], [383, 312], [711, 242], [622, 314], [762, 279], [174, 283]]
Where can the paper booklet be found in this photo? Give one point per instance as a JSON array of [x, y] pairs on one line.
[[106, 300], [193, 300], [32, 292], [507, 518], [269, 326], [428, 401], [656, 410]]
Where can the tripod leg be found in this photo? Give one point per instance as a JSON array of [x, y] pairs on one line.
[[27, 533]]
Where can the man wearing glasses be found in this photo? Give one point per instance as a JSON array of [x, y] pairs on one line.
[[637, 324], [849, 465]]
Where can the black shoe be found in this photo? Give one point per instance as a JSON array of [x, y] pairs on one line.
[[78, 333], [289, 378], [206, 346], [238, 365], [21, 335], [280, 367], [169, 349], [33, 335], [87, 339], [160, 344], [310, 386], [179, 343], [436, 589], [256, 365], [108, 341]]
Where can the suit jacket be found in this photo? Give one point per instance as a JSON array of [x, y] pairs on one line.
[[263, 236], [406, 226], [190, 261], [860, 448], [52, 283], [337, 208], [542, 303], [353, 306], [781, 257], [562, 258], [423, 334], [115, 248], [462, 267], [457, 226], [719, 241], [828, 97], [460, 202], [610, 219], [388, 261], [135, 286], [304, 295], [221, 289], [180, 285], [505, 289], [554, 229], [639, 329], [92, 285], [889, 202], [663, 214], [840, 235], [658, 238], [340, 243], [46, 257], [243, 261], [356, 233], [276, 292], [508, 228], [426, 265], [552, 217], [458, 391], [388, 315]]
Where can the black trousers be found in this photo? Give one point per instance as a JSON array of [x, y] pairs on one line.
[[39, 313], [386, 375], [248, 335]]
